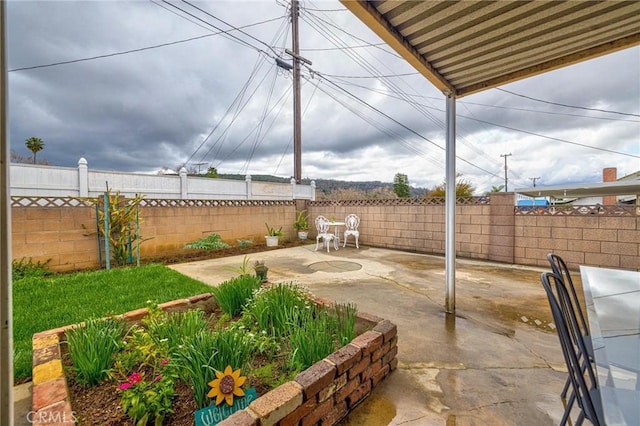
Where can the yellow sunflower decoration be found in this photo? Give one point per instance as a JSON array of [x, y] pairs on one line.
[[226, 385]]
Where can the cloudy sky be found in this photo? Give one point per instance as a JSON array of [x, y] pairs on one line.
[[184, 93]]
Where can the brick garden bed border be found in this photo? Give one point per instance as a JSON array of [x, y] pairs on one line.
[[322, 394]]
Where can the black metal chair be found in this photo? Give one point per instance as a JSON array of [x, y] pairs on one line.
[[584, 385], [560, 269]]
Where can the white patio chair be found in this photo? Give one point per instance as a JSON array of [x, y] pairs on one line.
[[322, 226], [351, 223]]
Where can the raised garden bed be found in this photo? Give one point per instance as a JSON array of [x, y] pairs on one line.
[[322, 394]]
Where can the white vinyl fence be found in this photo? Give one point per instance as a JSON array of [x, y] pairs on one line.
[[50, 181]]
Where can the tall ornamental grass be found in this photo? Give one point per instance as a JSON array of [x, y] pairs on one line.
[[92, 348], [200, 356], [319, 332], [234, 294], [172, 329], [276, 309]]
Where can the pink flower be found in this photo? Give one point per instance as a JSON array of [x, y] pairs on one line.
[[158, 378], [124, 386], [164, 362], [134, 378]]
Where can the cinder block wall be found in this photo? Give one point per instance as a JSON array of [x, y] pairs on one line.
[[489, 231], [67, 235], [419, 227], [173, 227], [493, 232], [604, 241]]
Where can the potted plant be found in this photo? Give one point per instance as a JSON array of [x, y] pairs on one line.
[[302, 224], [261, 270], [272, 235]]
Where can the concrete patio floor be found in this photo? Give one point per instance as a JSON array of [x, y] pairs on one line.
[[496, 362]]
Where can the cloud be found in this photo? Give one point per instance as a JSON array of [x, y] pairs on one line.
[[145, 110]]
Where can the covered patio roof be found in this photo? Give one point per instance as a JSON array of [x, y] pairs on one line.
[[464, 47]]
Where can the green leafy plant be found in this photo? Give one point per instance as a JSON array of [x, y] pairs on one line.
[[273, 232], [210, 242], [345, 322], [92, 348], [139, 349], [274, 308], [314, 339], [245, 244], [27, 268], [148, 396], [234, 294], [123, 220], [302, 221], [242, 269]]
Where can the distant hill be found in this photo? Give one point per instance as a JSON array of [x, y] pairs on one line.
[[327, 185]]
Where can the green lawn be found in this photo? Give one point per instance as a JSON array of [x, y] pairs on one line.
[[43, 303]]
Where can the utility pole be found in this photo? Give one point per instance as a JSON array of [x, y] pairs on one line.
[[506, 187], [297, 115], [534, 179]]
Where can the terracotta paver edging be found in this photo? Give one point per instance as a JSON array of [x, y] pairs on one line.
[[322, 394]]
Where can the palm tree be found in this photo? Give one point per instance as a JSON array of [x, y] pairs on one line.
[[34, 145]]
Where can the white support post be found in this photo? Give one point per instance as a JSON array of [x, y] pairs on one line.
[[247, 180], [184, 190], [313, 190], [83, 178], [450, 208], [6, 302], [293, 188]]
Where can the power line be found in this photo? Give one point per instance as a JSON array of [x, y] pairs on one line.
[[141, 49], [373, 76], [507, 127], [567, 106], [402, 125], [239, 99], [325, 10], [179, 15], [331, 24], [391, 94], [551, 137], [391, 83], [228, 24], [327, 49], [371, 69]]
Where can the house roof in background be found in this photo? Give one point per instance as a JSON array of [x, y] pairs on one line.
[[623, 187], [463, 47]]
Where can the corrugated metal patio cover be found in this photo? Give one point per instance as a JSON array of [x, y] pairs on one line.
[[464, 47]]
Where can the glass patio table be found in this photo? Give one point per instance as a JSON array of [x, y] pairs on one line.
[[612, 299]]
